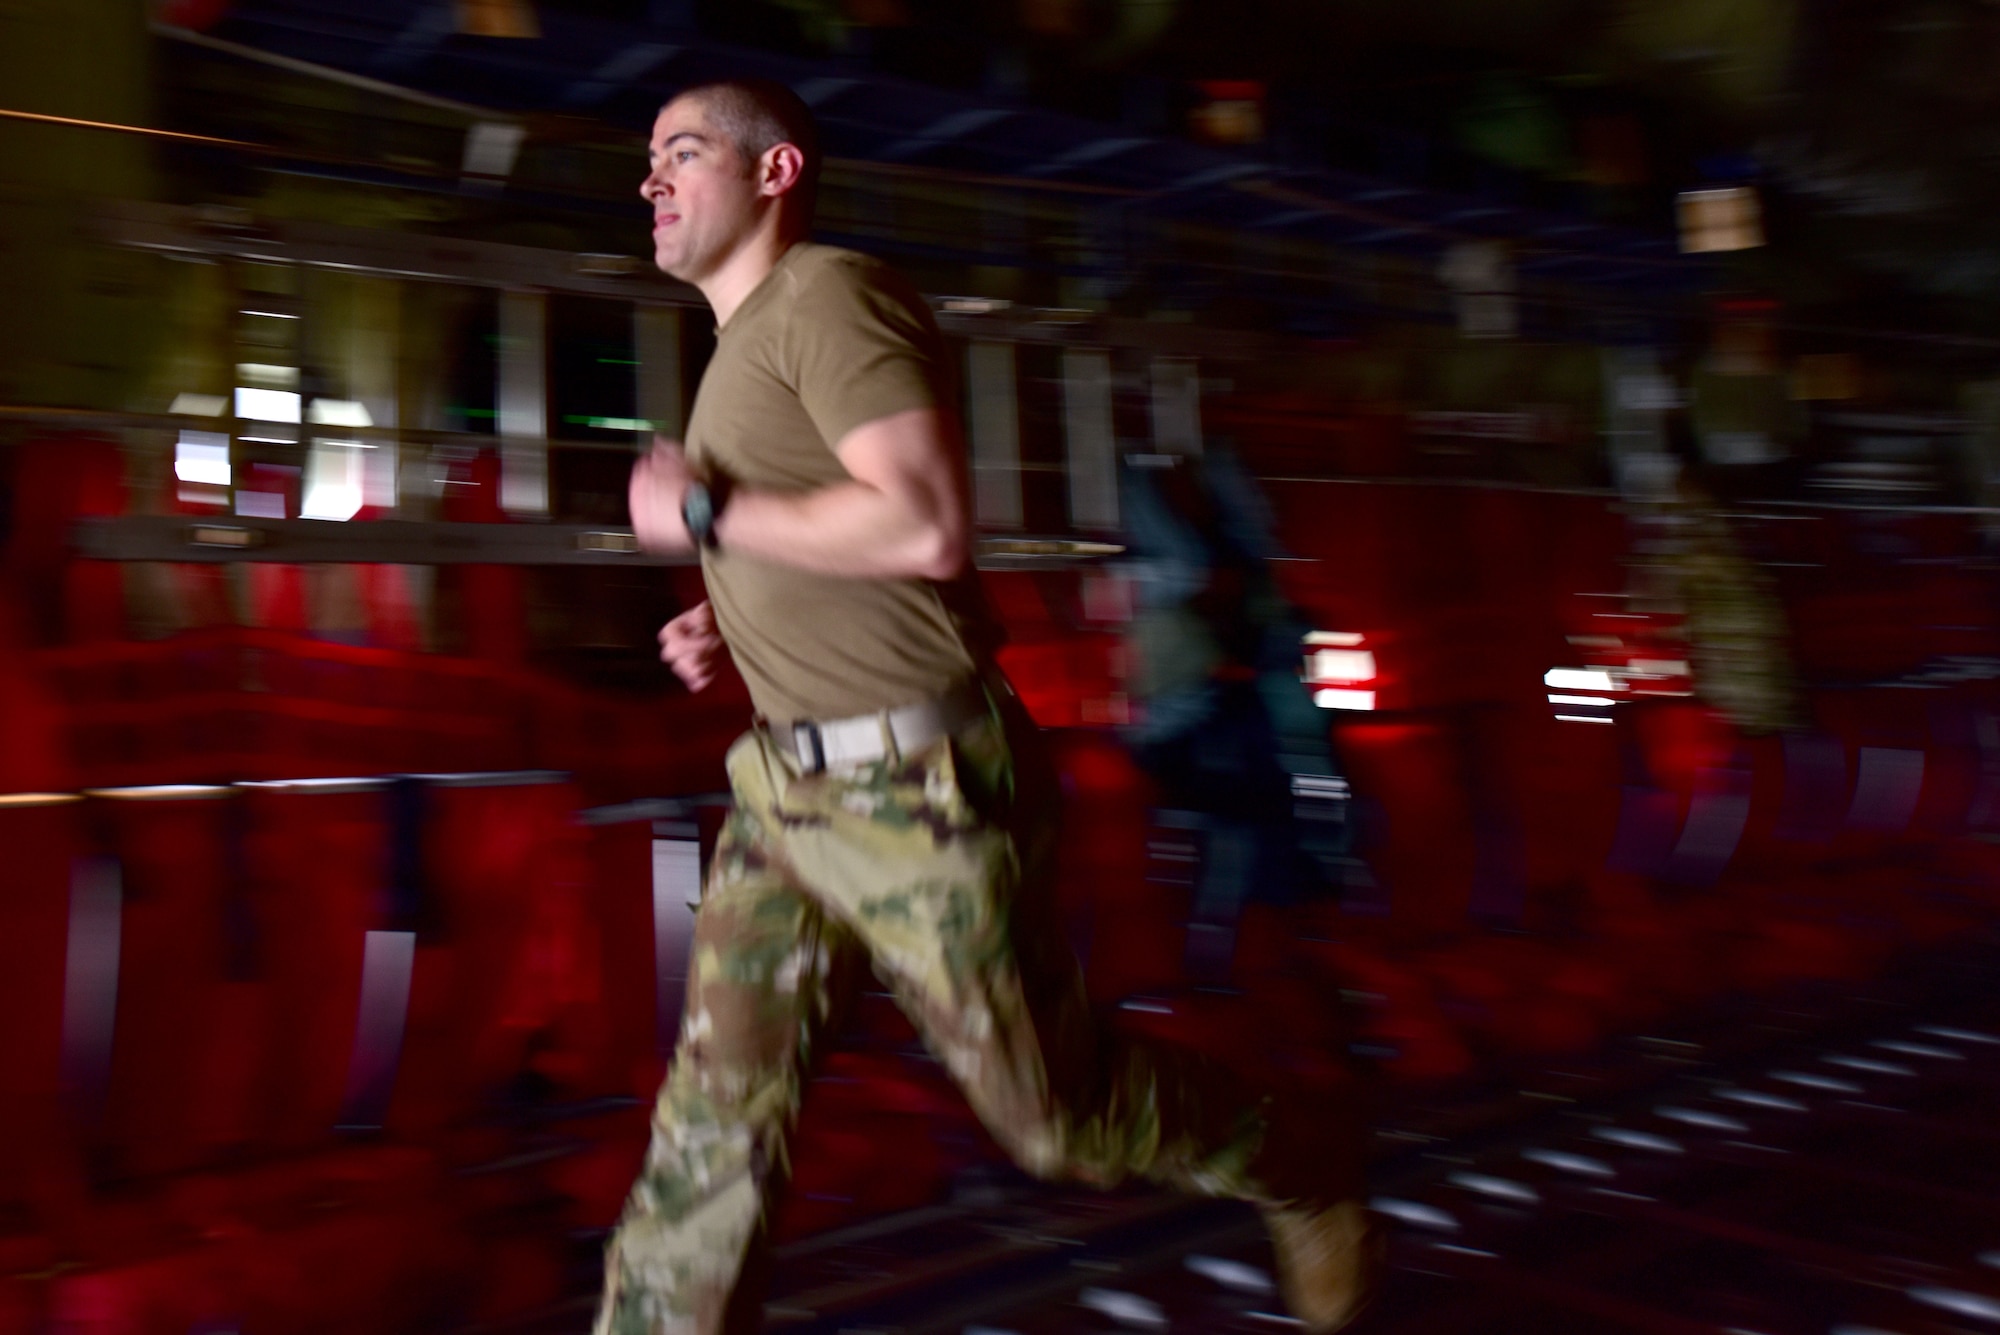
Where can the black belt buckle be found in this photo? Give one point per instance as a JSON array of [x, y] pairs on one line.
[[812, 751]]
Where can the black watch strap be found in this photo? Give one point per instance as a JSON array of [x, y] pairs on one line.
[[701, 506]]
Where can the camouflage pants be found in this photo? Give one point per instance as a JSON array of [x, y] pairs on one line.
[[926, 866]]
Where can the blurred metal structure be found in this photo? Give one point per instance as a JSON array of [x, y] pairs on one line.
[[1161, 384], [235, 538], [524, 403], [1110, 203]]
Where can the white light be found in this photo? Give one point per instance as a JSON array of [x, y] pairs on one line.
[[1647, 393], [338, 412], [1341, 665], [1596, 700], [271, 315], [1660, 667], [1337, 699], [1324, 786], [1414, 1212], [160, 792], [491, 147], [1501, 1188], [202, 456], [1952, 1300], [1637, 1140], [1581, 1164], [1579, 679], [267, 373], [333, 482], [1333, 639], [1579, 718], [1724, 218], [200, 405], [1229, 1274], [267, 405]]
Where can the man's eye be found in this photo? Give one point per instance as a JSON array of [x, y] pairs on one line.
[[684, 155]]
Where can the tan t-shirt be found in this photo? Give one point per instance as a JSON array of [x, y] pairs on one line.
[[830, 340]]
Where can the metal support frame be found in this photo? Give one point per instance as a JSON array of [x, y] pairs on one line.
[[229, 539], [996, 434], [1176, 406], [524, 404], [618, 70], [1089, 438], [946, 129], [1635, 403], [677, 873], [656, 344], [232, 538], [170, 230]]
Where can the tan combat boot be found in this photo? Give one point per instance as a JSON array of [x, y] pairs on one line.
[[1330, 1259]]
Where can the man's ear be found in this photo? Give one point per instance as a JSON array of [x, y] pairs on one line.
[[781, 170]]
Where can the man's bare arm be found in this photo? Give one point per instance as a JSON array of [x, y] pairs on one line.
[[904, 515]]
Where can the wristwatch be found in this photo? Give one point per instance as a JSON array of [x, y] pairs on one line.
[[701, 506]]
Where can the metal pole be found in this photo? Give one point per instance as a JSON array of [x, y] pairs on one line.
[[996, 434], [1088, 433], [656, 343], [1176, 406], [524, 404]]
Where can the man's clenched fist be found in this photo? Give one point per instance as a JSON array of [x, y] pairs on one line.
[[691, 646], [659, 483]]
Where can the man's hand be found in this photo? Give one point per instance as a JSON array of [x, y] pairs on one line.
[[691, 646], [660, 481]]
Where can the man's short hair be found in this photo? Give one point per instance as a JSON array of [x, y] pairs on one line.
[[757, 114]]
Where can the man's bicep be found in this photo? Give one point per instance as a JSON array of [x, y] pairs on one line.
[[915, 451]]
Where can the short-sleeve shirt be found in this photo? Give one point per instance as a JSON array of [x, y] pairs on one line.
[[829, 341]]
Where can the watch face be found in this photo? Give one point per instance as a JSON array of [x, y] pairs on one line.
[[698, 513]]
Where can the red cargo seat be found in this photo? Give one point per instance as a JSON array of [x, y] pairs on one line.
[[620, 749], [639, 987], [1130, 930], [185, 1045], [222, 705], [631, 1047], [877, 1133], [39, 1171], [504, 952], [318, 859], [1416, 814], [396, 1266], [68, 599]]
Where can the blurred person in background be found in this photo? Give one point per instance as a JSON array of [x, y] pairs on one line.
[[1225, 726], [1688, 563], [891, 804]]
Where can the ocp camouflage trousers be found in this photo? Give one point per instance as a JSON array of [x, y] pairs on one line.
[[929, 866]]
